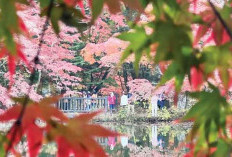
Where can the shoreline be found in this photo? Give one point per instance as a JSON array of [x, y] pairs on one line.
[[135, 118]]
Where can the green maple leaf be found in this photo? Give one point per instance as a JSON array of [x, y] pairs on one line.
[[209, 115], [174, 71], [139, 44], [218, 57], [171, 39]]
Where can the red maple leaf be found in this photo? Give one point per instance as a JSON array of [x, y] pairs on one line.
[[43, 110], [78, 137], [218, 34], [196, 77], [13, 58], [23, 27]]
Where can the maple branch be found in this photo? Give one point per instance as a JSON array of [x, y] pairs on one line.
[[221, 19], [18, 122]]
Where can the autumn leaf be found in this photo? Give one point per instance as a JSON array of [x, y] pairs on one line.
[[200, 32], [34, 138], [218, 34], [13, 58], [78, 136], [73, 136], [23, 27], [196, 77], [44, 111]]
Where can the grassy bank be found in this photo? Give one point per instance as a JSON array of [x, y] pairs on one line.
[[164, 115]]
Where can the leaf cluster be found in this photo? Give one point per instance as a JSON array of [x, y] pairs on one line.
[[74, 135]]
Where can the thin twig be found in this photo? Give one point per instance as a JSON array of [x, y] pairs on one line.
[[18, 122], [221, 19]]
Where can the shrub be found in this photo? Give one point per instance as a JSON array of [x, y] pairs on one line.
[[164, 114]]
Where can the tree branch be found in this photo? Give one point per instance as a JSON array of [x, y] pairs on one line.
[[18, 122], [221, 19]]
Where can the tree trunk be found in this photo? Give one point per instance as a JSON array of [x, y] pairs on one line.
[[39, 79], [125, 76], [133, 74], [103, 78], [120, 81]]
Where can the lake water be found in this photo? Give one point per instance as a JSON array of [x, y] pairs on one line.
[[140, 141]]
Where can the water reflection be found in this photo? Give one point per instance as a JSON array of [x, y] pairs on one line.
[[154, 140], [144, 140]]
